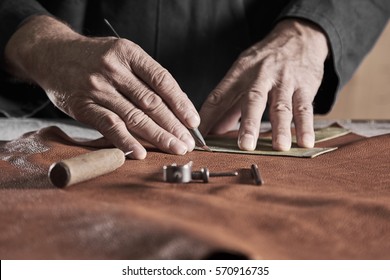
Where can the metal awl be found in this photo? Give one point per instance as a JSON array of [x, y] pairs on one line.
[[199, 140]]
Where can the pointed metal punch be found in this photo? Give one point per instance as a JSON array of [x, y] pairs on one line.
[[199, 140]]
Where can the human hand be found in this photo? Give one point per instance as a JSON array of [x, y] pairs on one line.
[[108, 83], [285, 70]]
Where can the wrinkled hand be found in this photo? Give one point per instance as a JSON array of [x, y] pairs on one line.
[[110, 84], [285, 70]]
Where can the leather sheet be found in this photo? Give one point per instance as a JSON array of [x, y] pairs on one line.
[[336, 206], [222, 144]]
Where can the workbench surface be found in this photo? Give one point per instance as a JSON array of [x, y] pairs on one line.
[[334, 206]]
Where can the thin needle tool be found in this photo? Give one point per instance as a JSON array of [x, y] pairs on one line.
[[199, 140], [112, 28]]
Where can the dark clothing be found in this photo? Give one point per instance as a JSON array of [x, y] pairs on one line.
[[198, 40]]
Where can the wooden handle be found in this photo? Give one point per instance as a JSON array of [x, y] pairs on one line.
[[84, 167]]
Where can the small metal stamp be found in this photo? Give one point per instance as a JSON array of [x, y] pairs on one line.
[[183, 173], [177, 173], [256, 175]]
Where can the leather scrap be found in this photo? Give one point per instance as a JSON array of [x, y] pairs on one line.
[[225, 144]]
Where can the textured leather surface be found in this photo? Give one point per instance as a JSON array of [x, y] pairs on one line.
[[336, 206]]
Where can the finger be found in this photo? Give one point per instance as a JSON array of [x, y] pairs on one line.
[[303, 118], [252, 110], [230, 121], [281, 117], [221, 100], [112, 127], [155, 108], [138, 123], [162, 82]]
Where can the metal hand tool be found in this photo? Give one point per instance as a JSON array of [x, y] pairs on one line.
[[183, 173]]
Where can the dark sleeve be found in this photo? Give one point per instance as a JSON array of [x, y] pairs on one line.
[[17, 99], [12, 14], [352, 28]]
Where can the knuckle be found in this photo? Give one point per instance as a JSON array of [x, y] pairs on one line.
[[135, 118], [114, 52], [133, 50], [120, 45], [151, 103], [245, 54], [148, 101], [242, 64], [182, 105], [303, 101], [93, 82], [269, 62], [75, 107], [281, 107], [248, 59], [162, 140], [303, 109], [106, 62], [159, 137], [108, 124], [256, 94], [175, 128], [140, 94], [162, 80], [215, 98], [250, 53], [122, 50]]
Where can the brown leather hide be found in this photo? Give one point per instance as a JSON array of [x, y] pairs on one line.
[[335, 206]]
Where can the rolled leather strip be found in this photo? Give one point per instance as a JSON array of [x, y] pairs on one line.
[[84, 167]]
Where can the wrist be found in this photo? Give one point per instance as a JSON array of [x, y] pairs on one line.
[[29, 52], [308, 32]]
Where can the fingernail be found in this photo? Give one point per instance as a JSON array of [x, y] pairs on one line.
[[189, 140], [247, 142], [177, 147], [193, 120]]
